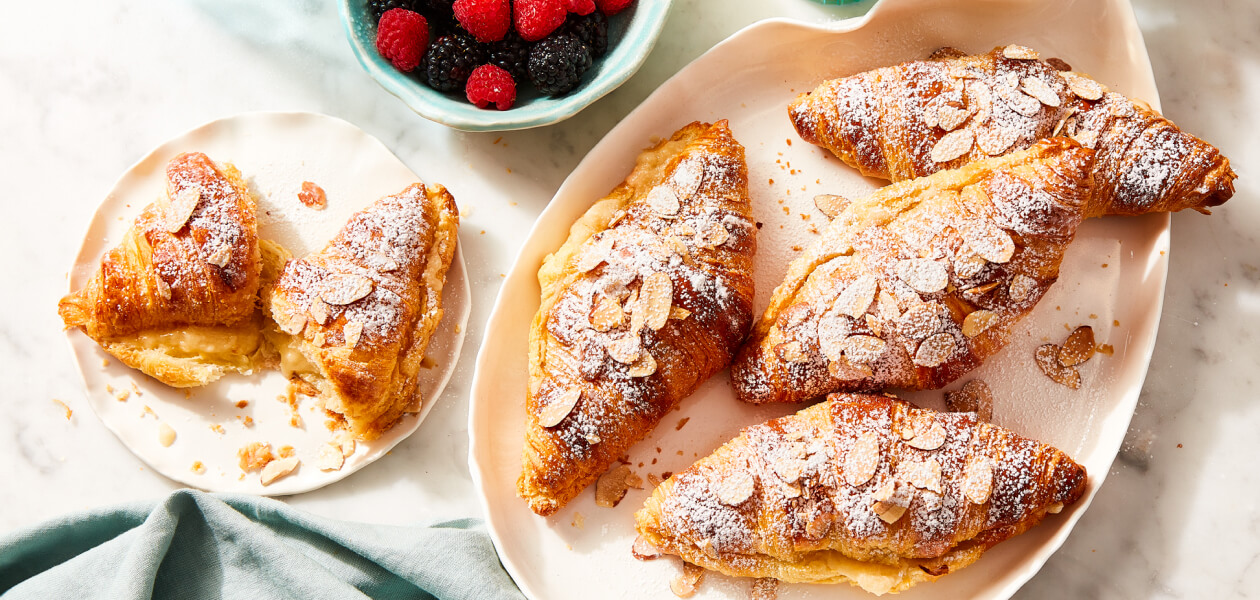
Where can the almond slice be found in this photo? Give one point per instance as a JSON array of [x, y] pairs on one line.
[[663, 201], [969, 267], [163, 288], [950, 118], [643, 367], [789, 468], [679, 313], [1078, 348], [974, 397], [594, 254], [888, 307], [643, 549], [220, 256], [352, 332], [330, 458], [687, 177], [953, 145], [655, 297], [611, 487], [987, 240], [1086, 138], [792, 352], [559, 407], [935, 350], [181, 208], [716, 236], [863, 459], [978, 480], [278, 469], [856, 299], [343, 288], [1083, 86], [1018, 101], [318, 310], [1039, 89], [924, 475], [996, 138], [846, 371], [625, 349], [831, 204], [891, 500], [863, 349], [1047, 356], [607, 314], [1022, 287], [924, 275], [931, 439], [1017, 52], [685, 584], [978, 321], [735, 488]]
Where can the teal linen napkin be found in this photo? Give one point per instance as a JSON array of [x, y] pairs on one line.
[[197, 545]]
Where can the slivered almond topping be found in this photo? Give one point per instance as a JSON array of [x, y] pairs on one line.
[[735, 488], [679, 313], [181, 208], [594, 254], [789, 467], [872, 323], [330, 458], [1035, 87], [318, 311], [931, 115], [766, 588], [625, 349], [832, 331], [220, 256], [1017, 52], [643, 549], [978, 321], [163, 288], [559, 407], [818, 522], [980, 290], [655, 297], [863, 459], [935, 350], [924, 275], [952, 145], [636, 311], [646, 365], [969, 267], [319, 338], [344, 440], [607, 314], [383, 263], [1047, 356], [924, 475], [845, 370], [792, 352], [621, 214], [611, 486], [950, 118], [716, 236], [975, 397], [1086, 138], [291, 323], [1082, 86], [978, 480], [1055, 508], [343, 288], [166, 435], [353, 331], [889, 309], [929, 439], [1022, 286], [278, 469], [1078, 348], [685, 584], [687, 178], [996, 138], [987, 240], [863, 349], [891, 500], [663, 201], [857, 298], [831, 204]]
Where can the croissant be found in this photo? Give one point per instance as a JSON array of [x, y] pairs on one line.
[[864, 489], [917, 118], [649, 296], [353, 320], [177, 298], [917, 284]]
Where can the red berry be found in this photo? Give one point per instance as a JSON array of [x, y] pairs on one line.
[[487, 20], [581, 7], [491, 84], [402, 37], [536, 19], [612, 7]]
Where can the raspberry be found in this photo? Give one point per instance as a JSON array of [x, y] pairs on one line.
[[592, 29], [581, 7], [401, 37], [512, 54], [612, 7], [487, 20], [557, 63], [451, 59], [536, 19], [490, 84]]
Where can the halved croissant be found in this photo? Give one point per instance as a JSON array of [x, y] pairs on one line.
[[649, 296], [864, 489], [921, 117]]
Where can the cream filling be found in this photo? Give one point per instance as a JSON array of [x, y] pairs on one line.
[[235, 346]]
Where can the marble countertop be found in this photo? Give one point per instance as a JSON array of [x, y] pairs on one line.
[[90, 90]]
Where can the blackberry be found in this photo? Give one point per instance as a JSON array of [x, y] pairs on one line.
[[450, 59], [378, 7], [439, 14], [556, 63], [592, 29], [512, 55]]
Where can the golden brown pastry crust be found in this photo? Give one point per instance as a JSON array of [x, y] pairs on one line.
[[682, 220], [917, 284], [203, 275], [889, 122], [810, 513], [362, 310]]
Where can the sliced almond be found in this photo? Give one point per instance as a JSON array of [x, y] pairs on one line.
[[679, 313], [344, 441], [873, 323], [977, 481], [1022, 287], [643, 549], [891, 500], [788, 467], [931, 115], [318, 311], [831, 204], [655, 297], [1047, 356], [953, 145], [1017, 52], [735, 488], [220, 256], [996, 138], [663, 201], [980, 290], [1078, 348], [163, 288], [931, 438], [978, 321], [924, 275], [343, 288], [291, 323], [863, 349], [950, 118], [974, 397], [792, 352], [330, 458], [607, 314], [621, 214], [1082, 86], [1039, 89], [277, 469], [832, 331], [383, 263], [643, 367], [594, 254], [716, 236], [181, 208], [987, 240], [1055, 508], [924, 475], [687, 178], [863, 459], [685, 584], [353, 332], [844, 370], [764, 588], [935, 350], [970, 266], [319, 338], [611, 486], [888, 307], [166, 435], [856, 299], [625, 349], [1086, 138], [1018, 101], [559, 407]]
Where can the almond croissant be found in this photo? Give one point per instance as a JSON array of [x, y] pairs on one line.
[[920, 117], [864, 489]]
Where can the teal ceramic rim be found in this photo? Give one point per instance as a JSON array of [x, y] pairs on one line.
[[613, 69]]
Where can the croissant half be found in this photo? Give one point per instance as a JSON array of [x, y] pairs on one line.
[[177, 298], [917, 284], [650, 295], [921, 117], [864, 489], [353, 320]]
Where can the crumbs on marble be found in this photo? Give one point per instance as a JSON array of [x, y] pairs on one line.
[[147, 411], [217, 428], [198, 467], [166, 435], [65, 407], [242, 403], [104, 362], [681, 423], [578, 520]]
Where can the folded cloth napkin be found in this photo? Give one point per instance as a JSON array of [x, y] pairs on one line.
[[198, 545]]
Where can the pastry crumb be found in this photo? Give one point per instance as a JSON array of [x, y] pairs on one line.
[[312, 196], [65, 407], [254, 456], [198, 467], [681, 423], [242, 404], [166, 435]]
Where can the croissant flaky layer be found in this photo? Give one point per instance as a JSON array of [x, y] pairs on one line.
[[185, 276], [921, 117], [650, 295], [354, 318], [864, 489], [920, 282]]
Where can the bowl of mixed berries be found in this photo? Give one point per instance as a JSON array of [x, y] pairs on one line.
[[493, 65]]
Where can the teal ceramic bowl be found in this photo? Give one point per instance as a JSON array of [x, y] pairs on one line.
[[632, 34]]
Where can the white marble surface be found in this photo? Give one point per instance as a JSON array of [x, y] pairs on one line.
[[89, 87]]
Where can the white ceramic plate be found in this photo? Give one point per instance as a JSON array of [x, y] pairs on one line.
[[275, 152], [1112, 279]]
